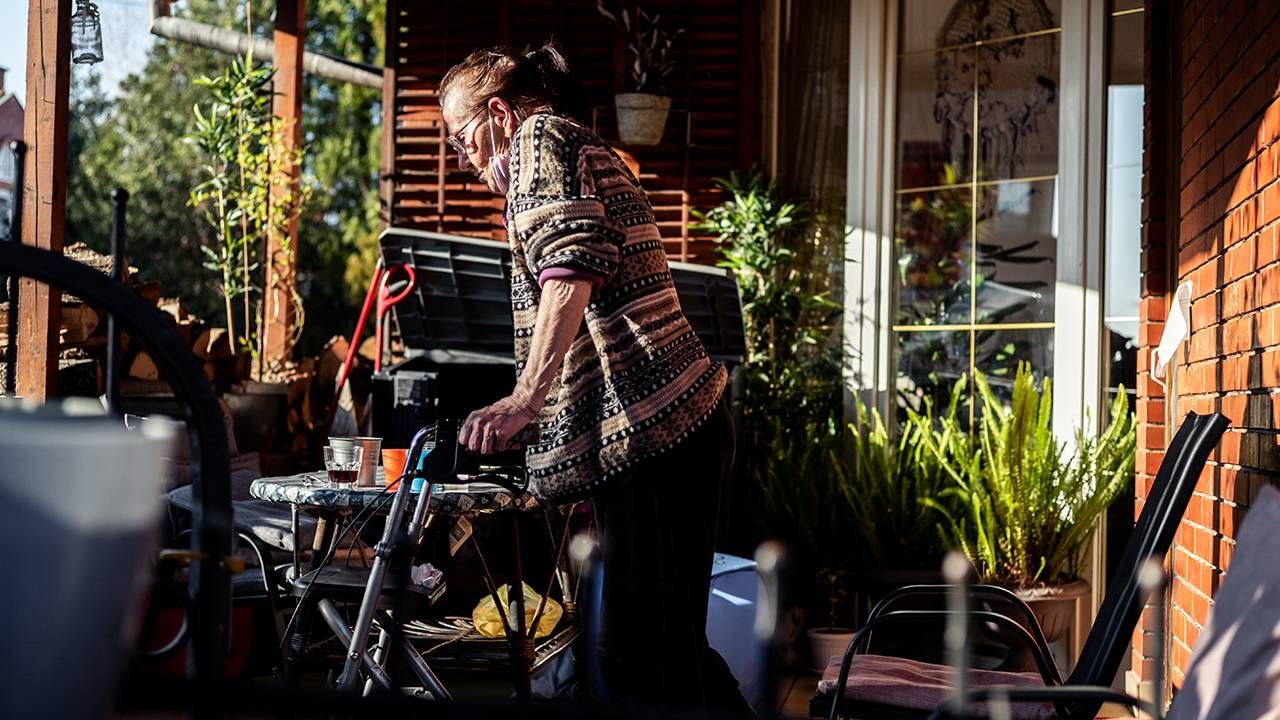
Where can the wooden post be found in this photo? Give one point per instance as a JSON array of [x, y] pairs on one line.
[[279, 316], [44, 189], [390, 53]]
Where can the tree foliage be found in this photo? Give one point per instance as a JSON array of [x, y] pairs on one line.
[[134, 139]]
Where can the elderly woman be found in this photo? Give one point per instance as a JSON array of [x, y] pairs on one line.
[[629, 408]]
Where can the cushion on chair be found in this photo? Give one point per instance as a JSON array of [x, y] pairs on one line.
[[904, 683]]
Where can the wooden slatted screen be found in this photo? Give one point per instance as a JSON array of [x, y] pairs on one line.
[[712, 129]]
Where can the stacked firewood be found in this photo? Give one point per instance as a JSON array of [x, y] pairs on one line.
[[308, 385], [83, 340]]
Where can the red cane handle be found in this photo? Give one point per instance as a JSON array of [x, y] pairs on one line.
[[386, 302]]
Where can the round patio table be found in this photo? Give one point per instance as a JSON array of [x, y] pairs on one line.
[[311, 492]]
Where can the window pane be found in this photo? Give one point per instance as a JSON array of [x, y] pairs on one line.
[[1123, 241], [935, 118], [937, 23], [999, 352], [923, 21], [933, 255], [1018, 108], [929, 363], [1016, 17], [1017, 251]]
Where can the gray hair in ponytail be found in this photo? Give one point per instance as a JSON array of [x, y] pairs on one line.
[[530, 82]]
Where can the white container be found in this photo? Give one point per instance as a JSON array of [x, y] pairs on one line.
[[80, 503], [826, 643]]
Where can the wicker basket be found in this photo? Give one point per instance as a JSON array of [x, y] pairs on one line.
[[641, 117]]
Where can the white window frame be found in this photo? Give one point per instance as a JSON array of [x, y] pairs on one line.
[[1078, 369], [1079, 351]]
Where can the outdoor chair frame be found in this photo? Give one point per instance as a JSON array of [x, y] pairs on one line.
[[1015, 618], [1109, 637]]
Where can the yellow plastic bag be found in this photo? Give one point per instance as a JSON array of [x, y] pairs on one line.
[[489, 624]]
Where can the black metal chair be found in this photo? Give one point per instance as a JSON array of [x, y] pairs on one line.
[[1108, 639]]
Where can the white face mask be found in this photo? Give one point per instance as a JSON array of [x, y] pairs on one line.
[[499, 164]]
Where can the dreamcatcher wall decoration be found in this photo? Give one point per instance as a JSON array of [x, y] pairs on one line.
[[1013, 82]]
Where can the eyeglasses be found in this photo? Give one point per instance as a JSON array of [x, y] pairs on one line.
[[456, 142]]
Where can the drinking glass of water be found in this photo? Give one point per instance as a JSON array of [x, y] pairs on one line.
[[343, 465]]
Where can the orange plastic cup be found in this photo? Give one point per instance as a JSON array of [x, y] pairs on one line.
[[393, 465]]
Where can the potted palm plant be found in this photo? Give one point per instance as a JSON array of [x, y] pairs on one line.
[[1023, 509], [642, 112], [790, 430]]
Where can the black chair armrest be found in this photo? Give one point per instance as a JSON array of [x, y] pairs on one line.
[[1044, 663], [980, 591], [1057, 695]]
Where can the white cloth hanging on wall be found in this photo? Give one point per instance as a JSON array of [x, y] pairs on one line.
[[1177, 326]]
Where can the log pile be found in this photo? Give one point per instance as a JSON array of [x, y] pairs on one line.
[[309, 384], [83, 339]]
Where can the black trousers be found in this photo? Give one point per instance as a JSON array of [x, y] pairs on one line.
[[658, 531]]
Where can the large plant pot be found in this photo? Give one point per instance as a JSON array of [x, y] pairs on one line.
[[826, 643], [256, 408], [1055, 606], [641, 117]]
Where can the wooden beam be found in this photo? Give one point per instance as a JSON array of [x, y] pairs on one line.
[[279, 315], [750, 79], [44, 191], [390, 58]]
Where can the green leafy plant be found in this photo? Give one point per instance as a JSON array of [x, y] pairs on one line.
[[781, 258], [649, 46], [797, 479], [247, 194], [1021, 511], [894, 488], [791, 436]]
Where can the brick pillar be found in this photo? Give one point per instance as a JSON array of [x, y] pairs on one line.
[[1159, 203]]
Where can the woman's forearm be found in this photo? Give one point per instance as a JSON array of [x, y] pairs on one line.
[[560, 312]]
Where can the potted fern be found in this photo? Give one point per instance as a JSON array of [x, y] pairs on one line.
[[1022, 508], [642, 112]]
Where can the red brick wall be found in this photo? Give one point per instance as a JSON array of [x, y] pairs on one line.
[[1212, 122]]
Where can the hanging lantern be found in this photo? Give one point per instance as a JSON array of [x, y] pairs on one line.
[[86, 34]]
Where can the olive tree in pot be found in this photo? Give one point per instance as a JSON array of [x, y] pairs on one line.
[[642, 113], [1025, 509], [246, 196]]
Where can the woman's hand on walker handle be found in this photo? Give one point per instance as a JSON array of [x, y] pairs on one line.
[[490, 429]]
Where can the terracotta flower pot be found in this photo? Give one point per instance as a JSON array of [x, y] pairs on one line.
[[641, 117], [1054, 606]]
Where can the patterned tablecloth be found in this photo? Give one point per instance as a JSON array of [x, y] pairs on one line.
[[463, 498]]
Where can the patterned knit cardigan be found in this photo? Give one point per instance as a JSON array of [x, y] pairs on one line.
[[636, 379]]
